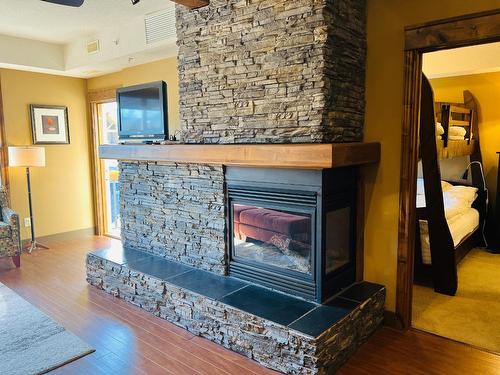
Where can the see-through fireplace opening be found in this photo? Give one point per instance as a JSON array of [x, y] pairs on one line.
[[292, 230]]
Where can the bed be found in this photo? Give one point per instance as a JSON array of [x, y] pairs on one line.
[[450, 214], [461, 217]]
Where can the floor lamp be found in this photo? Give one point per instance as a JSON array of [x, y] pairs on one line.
[[28, 156]]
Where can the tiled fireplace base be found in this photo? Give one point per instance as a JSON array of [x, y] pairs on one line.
[[280, 332]]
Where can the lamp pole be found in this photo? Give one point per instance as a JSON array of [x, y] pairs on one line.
[[31, 210], [33, 244]]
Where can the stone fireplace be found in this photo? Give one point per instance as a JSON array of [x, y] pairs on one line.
[[293, 230], [247, 232], [258, 259]]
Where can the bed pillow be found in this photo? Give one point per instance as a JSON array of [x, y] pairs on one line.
[[421, 189], [456, 138], [453, 206], [467, 194], [456, 131], [445, 186], [439, 129]]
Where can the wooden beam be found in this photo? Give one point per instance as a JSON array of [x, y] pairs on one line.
[[101, 96], [454, 32], [303, 156], [193, 4]]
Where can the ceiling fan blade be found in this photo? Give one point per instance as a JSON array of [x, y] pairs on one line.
[[71, 3]]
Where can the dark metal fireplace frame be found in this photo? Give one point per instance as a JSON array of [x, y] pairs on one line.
[[314, 192], [290, 281]]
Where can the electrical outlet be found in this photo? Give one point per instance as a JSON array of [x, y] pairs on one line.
[[27, 222]]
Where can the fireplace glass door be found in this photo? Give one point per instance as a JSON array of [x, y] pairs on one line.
[[338, 239], [276, 237]]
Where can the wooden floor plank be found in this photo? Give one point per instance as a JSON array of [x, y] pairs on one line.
[[131, 341]]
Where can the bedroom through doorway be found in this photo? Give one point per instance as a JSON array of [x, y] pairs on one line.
[[456, 288]]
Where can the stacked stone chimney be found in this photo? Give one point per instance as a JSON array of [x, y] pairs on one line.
[[272, 71]]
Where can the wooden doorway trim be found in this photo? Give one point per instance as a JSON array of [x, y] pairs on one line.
[[95, 98], [4, 154], [468, 30]]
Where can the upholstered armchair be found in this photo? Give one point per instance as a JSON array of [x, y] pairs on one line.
[[10, 238]]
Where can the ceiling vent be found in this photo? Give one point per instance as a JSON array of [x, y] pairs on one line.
[[160, 25], [93, 47]]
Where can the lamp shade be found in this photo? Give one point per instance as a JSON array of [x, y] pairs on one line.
[[26, 156]]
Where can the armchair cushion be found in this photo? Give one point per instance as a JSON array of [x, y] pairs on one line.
[[5, 230], [4, 200], [10, 239]]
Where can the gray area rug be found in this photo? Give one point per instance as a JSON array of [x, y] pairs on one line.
[[30, 341]]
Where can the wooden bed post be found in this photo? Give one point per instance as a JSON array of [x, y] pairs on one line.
[[444, 269]]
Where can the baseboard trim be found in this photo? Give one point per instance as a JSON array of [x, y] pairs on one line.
[[475, 347], [391, 320], [74, 233]]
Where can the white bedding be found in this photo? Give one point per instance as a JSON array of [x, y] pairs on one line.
[[439, 129], [461, 217], [455, 133]]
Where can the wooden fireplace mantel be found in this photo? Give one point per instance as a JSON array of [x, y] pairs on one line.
[[192, 4], [304, 156]]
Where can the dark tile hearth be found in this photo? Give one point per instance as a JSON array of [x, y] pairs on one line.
[[306, 317], [318, 320], [360, 292], [282, 332], [160, 268], [208, 284], [121, 256], [277, 307]]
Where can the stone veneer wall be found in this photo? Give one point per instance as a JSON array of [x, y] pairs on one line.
[[345, 57], [176, 211], [271, 344], [272, 71]]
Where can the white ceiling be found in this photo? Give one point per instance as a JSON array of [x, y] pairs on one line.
[[60, 34], [482, 58], [35, 19], [40, 36]]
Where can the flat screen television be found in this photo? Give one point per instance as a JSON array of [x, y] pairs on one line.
[[143, 112]]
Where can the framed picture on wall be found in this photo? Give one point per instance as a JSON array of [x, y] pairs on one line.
[[49, 124]]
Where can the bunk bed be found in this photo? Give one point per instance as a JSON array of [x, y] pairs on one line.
[[450, 214]]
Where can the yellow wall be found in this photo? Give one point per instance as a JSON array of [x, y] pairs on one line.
[[62, 191], [384, 98], [486, 89], [165, 70], [67, 174]]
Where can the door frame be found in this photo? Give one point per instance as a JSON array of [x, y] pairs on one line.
[[4, 152], [462, 31], [94, 98]]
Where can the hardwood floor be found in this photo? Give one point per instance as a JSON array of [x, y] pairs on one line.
[[130, 341]]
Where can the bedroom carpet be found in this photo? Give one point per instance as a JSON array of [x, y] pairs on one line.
[[471, 316], [31, 342]]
